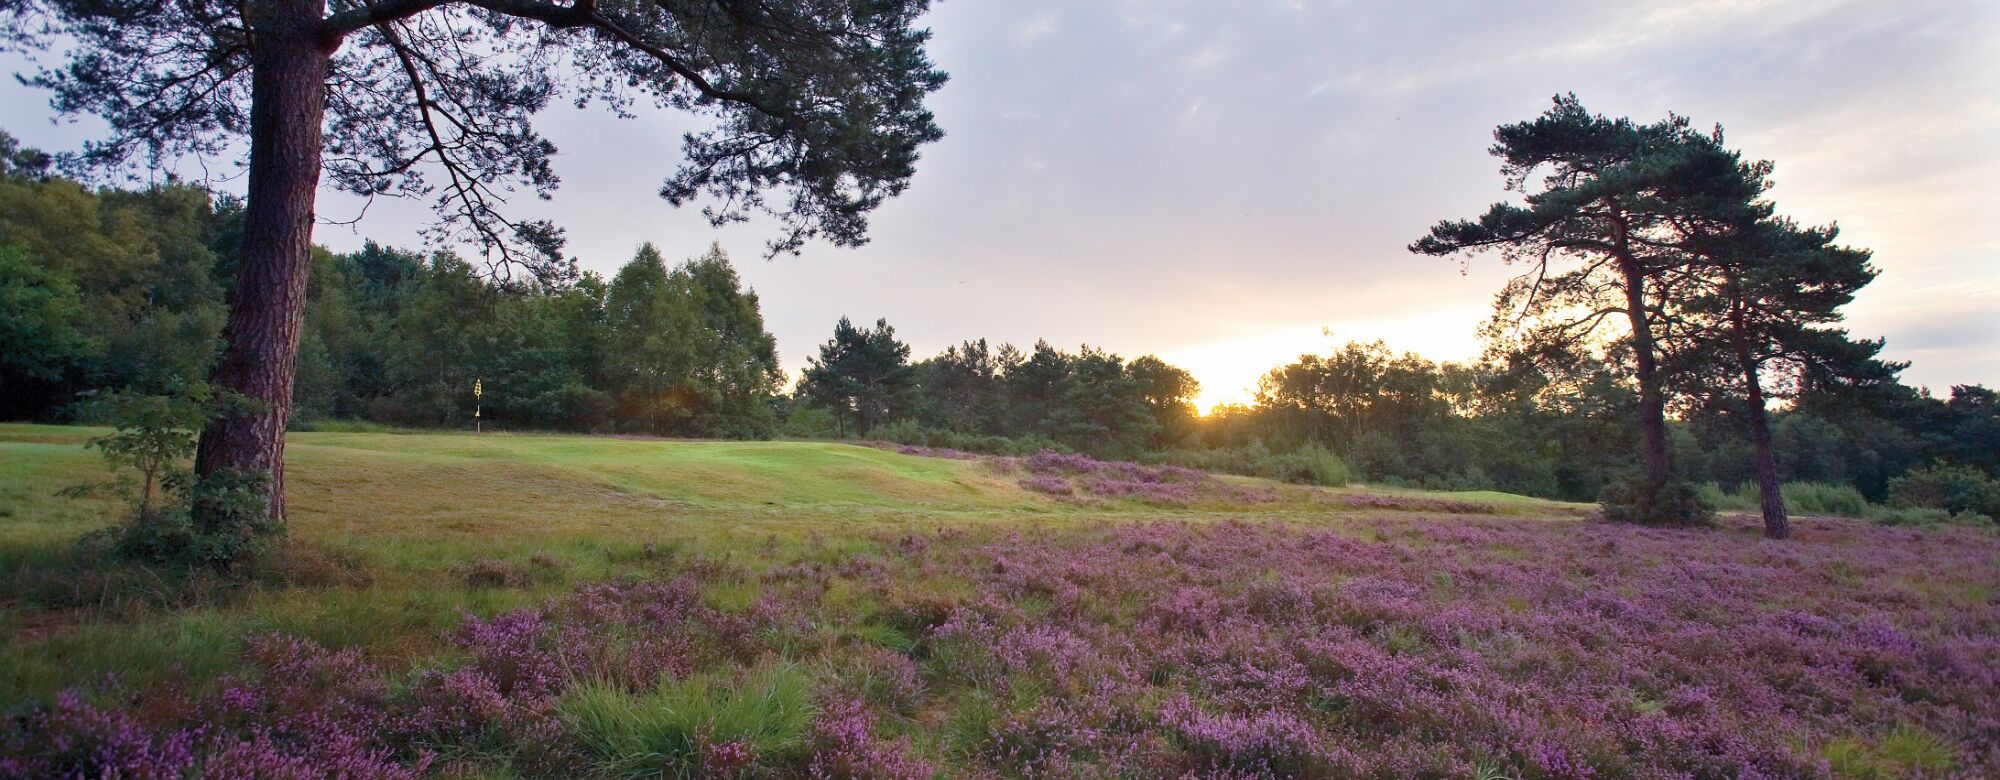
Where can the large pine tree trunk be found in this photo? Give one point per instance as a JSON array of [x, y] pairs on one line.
[[1652, 401], [1776, 524], [261, 338]]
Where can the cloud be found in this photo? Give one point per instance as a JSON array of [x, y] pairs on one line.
[[1037, 27]]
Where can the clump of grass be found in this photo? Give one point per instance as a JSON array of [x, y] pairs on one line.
[[669, 730], [1906, 751]]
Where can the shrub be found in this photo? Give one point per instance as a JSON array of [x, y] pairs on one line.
[[213, 520], [1820, 498], [1955, 489], [1632, 500], [1049, 484], [490, 573], [1309, 465]]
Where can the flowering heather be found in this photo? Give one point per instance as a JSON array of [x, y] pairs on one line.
[[1072, 474], [1409, 503], [1401, 644]]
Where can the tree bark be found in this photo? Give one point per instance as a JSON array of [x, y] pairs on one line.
[[1776, 524], [289, 61], [1652, 401]]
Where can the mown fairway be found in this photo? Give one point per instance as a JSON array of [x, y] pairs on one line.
[[556, 605]]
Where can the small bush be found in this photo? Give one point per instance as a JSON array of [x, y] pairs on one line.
[[1954, 489], [489, 573], [1727, 500], [213, 520], [1675, 503], [1820, 498], [1308, 465]]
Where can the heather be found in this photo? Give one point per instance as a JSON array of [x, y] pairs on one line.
[[1081, 478], [1349, 640]]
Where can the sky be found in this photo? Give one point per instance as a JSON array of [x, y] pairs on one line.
[[1231, 185]]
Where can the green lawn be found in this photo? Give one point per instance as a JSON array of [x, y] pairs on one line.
[[402, 514]]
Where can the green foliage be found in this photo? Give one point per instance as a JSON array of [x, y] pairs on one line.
[[1907, 751], [861, 374], [685, 351], [1633, 499], [106, 289], [914, 433], [973, 397], [153, 435], [662, 732], [1820, 498], [1310, 464], [214, 520], [41, 322], [1948, 487]]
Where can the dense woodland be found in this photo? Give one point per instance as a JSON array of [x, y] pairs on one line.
[[107, 289]]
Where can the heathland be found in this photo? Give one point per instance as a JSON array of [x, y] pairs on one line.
[[510, 605]]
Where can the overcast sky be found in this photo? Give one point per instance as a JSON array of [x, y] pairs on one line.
[[1218, 182]]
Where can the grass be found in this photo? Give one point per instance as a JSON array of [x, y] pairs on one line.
[[415, 510], [634, 735]]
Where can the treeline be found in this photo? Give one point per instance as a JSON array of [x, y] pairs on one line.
[[1554, 429], [397, 338], [975, 396], [116, 289]]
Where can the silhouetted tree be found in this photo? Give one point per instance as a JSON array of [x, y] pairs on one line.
[[1596, 242], [1169, 392]]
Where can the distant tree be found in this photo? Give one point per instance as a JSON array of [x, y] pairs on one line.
[[1596, 242], [736, 359], [22, 163], [444, 338], [1169, 393], [435, 98], [1328, 399], [1968, 431], [652, 321], [962, 388], [1102, 407], [141, 266], [1034, 387], [861, 374], [41, 326]]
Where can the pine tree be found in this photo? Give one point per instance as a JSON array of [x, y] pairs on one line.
[[1597, 244], [861, 374]]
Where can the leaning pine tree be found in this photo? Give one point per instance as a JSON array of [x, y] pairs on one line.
[[1597, 245], [1759, 325], [821, 101]]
